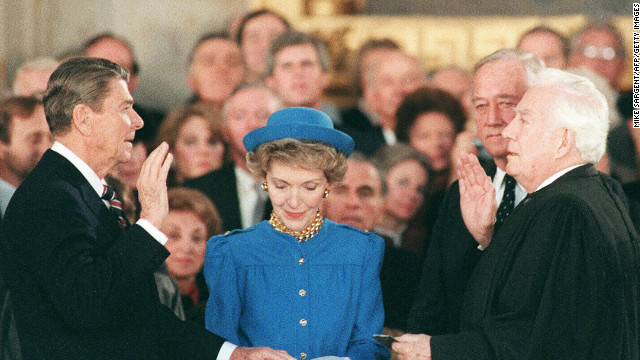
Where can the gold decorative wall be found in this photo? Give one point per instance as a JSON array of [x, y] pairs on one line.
[[436, 41]]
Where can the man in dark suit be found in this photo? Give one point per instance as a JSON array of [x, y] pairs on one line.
[[500, 81], [388, 76], [232, 189], [559, 279], [81, 278]]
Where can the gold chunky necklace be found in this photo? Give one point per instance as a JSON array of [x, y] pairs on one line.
[[302, 235]]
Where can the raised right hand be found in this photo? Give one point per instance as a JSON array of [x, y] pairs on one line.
[[477, 199], [152, 185]]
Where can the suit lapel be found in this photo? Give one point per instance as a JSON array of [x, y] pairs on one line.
[[68, 172]]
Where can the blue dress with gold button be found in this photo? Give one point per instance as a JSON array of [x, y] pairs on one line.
[[315, 298]]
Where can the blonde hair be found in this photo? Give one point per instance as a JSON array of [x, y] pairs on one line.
[[303, 153]]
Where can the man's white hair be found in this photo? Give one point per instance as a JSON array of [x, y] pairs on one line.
[[580, 107], [531, 63], [41, 63]]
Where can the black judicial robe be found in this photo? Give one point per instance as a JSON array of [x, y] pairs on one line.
[[558, 281]]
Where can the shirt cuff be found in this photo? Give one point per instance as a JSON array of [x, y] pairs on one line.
[[153, 231], [225, 351], [480, 247]]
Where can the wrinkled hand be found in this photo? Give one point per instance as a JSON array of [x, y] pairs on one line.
[[477, 199], [152, 185], [413, 347], [259, 353]]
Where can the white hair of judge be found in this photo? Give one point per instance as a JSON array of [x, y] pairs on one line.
[[579, 107]]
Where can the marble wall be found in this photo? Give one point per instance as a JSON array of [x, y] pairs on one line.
[[162, 33]]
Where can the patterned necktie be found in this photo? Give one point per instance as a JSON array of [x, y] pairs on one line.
[[508, 201], [115, 206]]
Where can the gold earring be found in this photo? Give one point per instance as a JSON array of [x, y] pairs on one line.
[[326, 194], [264, 186]]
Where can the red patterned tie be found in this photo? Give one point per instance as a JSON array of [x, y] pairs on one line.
[[115, 206]]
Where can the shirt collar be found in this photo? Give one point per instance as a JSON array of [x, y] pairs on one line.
[[555, 176], [245, 180], [86, 171]]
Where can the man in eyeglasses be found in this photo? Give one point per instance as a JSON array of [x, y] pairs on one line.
[[599, 47]]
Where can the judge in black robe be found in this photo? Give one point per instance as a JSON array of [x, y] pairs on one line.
[[559, 279]]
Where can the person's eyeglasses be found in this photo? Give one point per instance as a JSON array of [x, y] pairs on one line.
[[604, 53]]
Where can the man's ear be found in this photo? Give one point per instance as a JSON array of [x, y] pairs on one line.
[[566, 142], [325, 80], [3, 150], [269, 81], [82, 118], [192, 82]]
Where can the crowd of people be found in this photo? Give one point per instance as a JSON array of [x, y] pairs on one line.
[[484, 214]]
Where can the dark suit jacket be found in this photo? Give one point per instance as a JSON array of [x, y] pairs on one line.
[[221, 187], [82, 288], [367, 137], [451, 257]]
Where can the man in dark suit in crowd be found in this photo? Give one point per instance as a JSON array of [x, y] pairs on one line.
[[500, 80], [235, 193], [559, 279], [388, 76], [81, 277]]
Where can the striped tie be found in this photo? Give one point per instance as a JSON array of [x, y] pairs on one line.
[[115, 206]]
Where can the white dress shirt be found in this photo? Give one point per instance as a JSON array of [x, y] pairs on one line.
[[248, 197], [499, 184]]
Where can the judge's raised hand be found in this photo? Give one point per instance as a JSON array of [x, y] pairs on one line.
[[152, 185], [477, 199], [259, 353], [413, 347]]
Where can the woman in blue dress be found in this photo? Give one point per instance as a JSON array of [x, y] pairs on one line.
[[297, 282]]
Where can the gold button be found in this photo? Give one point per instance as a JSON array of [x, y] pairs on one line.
[[302, 292], [303, 356], [301, 261], [303, 322]]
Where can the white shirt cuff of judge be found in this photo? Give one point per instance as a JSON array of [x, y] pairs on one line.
[[225, 351]]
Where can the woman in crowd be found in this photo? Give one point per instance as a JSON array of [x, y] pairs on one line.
[[429, 120], [192, 219], [194, 135], [405, 173], [297, 282]]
